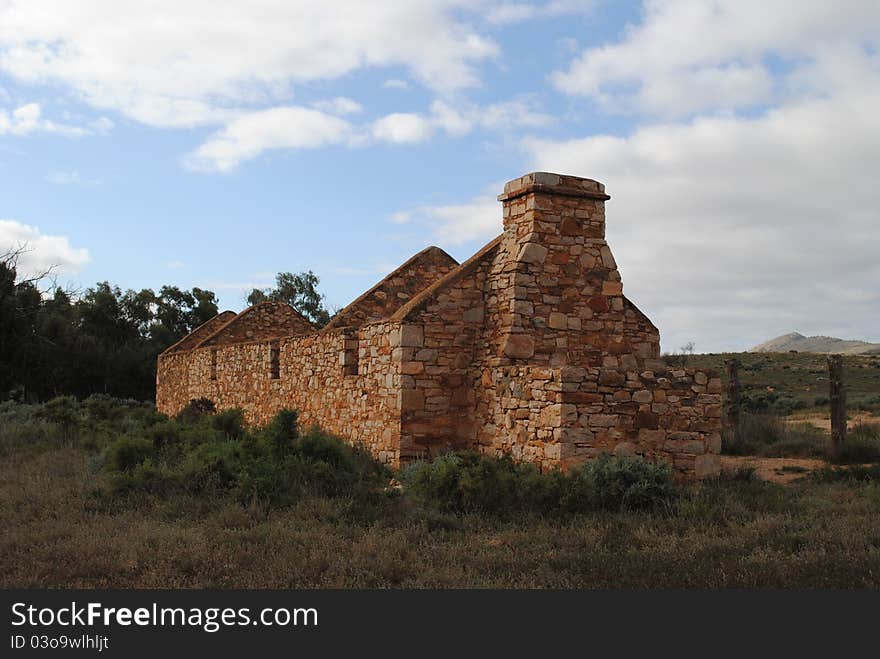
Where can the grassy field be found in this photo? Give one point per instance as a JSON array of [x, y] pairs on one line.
[[62, 530], [790, 382], [108, 494]]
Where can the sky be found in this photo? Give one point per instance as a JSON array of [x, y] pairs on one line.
[[215, 143]]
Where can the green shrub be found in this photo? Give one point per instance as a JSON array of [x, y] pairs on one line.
[[862, 444], [280, 466], [230, 422], [196, 408], [770, 435], [283, 431], [126, 453], [619, 483], [470, 482], [212, 467], [466, 482], [64, 411], [856, 472], [866, 404], [101, 407], [775, 402], [216, 454], [165, 433], [146, 476]]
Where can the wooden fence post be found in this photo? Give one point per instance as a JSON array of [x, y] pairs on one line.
[[837, 395], [732, 422]]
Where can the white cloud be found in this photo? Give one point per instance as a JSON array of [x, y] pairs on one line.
[[71, 177], [28, 119], [731, 230], [168, 63], [402, 128], [457, 121], [41, 251], [453, 224], [689, 56], [278, 128], [102, 125], [503, 13], [339, 105], [401, 217], [395, 84], [247, 135]]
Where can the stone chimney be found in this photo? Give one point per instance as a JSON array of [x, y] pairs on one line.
[[574, 206], [564, 282]]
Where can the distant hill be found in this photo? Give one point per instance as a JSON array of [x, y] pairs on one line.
[[820, 344]]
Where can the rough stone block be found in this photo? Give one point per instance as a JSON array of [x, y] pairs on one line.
[[558, 320], [612, 288], [532, 253], [412, 368], [411, 336], [519, 346], [412, 400]]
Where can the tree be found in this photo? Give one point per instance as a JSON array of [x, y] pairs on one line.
[[300, 291], [105, 340]]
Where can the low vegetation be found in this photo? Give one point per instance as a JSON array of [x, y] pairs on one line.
[[786, 383], [772, 436], [472, 483], [106, 493], [862, 445]]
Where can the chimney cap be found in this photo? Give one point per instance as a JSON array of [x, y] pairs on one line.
[[549, 183]]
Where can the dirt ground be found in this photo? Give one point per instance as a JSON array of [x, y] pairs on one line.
[[823, 421], [776, 470], [786, 470]]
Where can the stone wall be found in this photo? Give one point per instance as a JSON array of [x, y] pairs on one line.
[[443, 327], [564, 416], [202, 332], [363, 407], [266, 320], [395, 290], [528, 348], [565, 302]]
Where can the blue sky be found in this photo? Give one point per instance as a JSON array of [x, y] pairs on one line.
[[215, 144]]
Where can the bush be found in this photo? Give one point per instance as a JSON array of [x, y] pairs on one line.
[[866, 404], [469, 482], [216, 454], [772, 436], [126, 453], [164, 434], [21, 425], [283, 431], [282, 466], [862, 444], [101, 407], [212, 467], [230, 422], [870, 473], [613, 483], [196, 408], [64, 411]]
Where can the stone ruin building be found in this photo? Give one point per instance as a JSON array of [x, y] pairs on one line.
[[528, 348]]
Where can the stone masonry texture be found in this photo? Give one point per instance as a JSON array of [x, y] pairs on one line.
[[528, 348]]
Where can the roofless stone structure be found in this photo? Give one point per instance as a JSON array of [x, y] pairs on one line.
[[528, 348]]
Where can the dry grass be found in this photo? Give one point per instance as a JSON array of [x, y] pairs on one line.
[[59, 531]]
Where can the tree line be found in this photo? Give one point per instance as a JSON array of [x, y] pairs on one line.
[[105, 340]]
